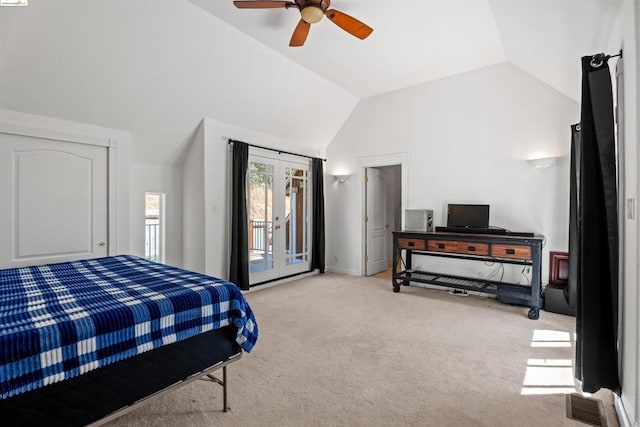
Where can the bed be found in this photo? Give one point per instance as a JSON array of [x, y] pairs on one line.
[[83, 342]]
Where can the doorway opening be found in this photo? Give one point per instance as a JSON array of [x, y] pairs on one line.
[[383, 215], [154, 220]]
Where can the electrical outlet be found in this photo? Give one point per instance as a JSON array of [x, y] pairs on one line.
[[631, 208]]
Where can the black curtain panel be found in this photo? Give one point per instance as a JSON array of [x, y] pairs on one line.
[[239, 268], [571, 291], [597, 297], [317, 239]]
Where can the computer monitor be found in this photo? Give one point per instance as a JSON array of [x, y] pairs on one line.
[[468, 216]]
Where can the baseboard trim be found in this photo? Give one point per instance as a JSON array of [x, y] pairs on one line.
[[623, 419], [340, 270], [281, 281]]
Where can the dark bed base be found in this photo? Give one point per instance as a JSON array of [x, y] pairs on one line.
[[108, 392]]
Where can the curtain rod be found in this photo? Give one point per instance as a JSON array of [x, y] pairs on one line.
[[599, 58], [231, 141]]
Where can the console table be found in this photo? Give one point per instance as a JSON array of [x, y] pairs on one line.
[[505, 249]]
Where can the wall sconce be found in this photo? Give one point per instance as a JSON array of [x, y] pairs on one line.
[[542, 163], [341, 178]]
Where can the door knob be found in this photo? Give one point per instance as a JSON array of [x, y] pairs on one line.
[[102, 244], [277, 227]]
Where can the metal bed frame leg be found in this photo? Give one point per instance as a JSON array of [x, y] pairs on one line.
[[223, 383], [224, 389], [204, 375]]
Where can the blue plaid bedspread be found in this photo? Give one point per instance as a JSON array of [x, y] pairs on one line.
[[58, 321]]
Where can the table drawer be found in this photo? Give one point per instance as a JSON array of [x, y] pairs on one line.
[[511, 251], [442, 246], [473, 248], [417, 244]]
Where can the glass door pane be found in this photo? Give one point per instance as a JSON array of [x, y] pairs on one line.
[[261, 211], [296, 215]]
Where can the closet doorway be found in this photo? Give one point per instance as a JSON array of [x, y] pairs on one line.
[[279, 208]]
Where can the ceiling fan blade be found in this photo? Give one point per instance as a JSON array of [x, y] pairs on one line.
[[263, 4], [300, 34], [350, 24]]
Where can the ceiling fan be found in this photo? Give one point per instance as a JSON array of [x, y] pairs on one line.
[[311, 11]]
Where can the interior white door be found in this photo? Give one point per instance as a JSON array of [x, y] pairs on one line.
[[54, 201], [279, 218], [376, 229]]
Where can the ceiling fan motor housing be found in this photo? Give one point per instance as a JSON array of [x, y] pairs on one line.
[[312, 14]]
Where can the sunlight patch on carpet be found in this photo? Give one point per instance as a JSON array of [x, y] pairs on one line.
[[549, 375], [550, 338]]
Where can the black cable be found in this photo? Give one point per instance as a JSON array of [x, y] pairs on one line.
[[526, 267]]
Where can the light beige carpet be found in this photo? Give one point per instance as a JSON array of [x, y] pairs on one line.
[[346, 351]]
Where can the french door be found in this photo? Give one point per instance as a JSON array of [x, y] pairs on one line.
[[279, 206]]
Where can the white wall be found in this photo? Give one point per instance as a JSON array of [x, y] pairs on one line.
[[625, 36], [157, 179], [631, 326], [156, 68], [193, 204], [467, 138], [633, 34], [207, 170]]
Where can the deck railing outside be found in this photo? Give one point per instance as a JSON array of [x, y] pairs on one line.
[[152, 238], [259, 235]]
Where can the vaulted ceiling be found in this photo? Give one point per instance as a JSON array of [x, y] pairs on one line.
[[421, 40], [156, 67]]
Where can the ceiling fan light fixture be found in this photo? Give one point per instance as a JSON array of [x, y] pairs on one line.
[[312, 14]]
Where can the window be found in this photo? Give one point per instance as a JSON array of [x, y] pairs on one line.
[[154, 226]]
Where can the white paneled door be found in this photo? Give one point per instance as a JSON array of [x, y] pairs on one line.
[[376, 223], [53, 201]]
